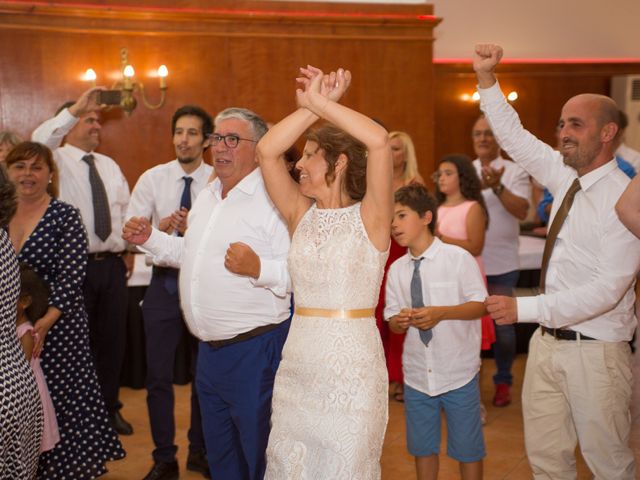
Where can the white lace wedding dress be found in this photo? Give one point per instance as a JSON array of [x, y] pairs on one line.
[[330, 394]]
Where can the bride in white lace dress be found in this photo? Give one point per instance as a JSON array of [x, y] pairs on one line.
[[330, 394]]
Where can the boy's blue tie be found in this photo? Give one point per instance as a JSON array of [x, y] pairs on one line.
[[416, 297]]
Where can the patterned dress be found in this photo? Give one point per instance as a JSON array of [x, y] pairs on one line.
[[57, 251], [330, 394], [20, 409]]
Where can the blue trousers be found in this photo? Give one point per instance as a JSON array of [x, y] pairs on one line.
[[164, 328], [504, 350], [235, 386]]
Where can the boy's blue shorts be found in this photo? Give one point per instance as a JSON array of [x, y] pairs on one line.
[[465, 441]]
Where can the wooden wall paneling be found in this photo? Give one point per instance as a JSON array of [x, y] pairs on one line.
[[543, 89], [216, 58]]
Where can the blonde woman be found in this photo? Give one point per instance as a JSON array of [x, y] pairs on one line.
[[8, 140], [405, 163], [405, 171]]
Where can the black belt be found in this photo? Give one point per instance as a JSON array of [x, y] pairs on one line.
[[564, 334], [103, 255], [243, 336], [165, 271]]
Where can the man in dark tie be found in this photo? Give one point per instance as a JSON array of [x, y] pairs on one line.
[[577, 386], [164, 195], [94, 184]]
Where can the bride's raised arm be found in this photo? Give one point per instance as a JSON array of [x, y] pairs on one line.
[[377, 204], [283, 190]]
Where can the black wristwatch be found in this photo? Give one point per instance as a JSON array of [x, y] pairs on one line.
[[498, 190]]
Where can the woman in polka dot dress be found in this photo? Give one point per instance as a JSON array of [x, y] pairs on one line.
[[49, 236]]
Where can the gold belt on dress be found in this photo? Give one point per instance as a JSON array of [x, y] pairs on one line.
[[342, 313]]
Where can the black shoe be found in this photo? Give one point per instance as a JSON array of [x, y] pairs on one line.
[[164, 471], [197, 462], [119, 424]]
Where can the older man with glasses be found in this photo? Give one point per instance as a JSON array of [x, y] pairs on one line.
[[234, 291]]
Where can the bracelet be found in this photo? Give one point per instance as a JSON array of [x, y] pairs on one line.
[[498, 190]]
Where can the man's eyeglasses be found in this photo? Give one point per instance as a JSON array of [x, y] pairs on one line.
[[230, 140]]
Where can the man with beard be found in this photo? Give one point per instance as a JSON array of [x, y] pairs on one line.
[[94, 184], [164, 195], [577, 385]]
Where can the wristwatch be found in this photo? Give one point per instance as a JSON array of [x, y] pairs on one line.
[[498, 190]]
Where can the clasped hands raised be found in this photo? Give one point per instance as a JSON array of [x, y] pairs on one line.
[[318, 88]]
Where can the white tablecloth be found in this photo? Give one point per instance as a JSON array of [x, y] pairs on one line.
[[530, 252]]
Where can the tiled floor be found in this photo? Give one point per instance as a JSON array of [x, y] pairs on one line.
[[505, 459]]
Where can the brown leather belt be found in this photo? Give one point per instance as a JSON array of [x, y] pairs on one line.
[[243, 336], [342, 313], [564, 334]]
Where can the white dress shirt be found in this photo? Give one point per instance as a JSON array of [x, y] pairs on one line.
[[450, 276], [591, 272], [500, 252], [158, 192], [74, 181], [218, 304]]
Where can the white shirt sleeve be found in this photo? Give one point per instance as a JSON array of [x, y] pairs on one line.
[[274, 274], [165, 249], [470, 280], [52, 131], [520, 184], [598, 294], [142, 199], [124, 195], [392, 304]]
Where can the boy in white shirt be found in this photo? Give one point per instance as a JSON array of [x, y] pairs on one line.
[[435, 293]]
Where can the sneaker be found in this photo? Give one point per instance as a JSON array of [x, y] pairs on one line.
[[502, 398], [197, 462]]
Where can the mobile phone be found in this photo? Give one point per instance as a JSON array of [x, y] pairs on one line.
[[109, 97]]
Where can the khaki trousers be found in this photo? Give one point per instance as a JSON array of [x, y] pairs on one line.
[[578, 391]]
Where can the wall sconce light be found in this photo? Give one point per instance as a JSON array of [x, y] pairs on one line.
[[475, 97], [127, 85]]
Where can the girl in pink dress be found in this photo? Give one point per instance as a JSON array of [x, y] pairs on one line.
[[462, 216], [462, 220], [32, 304]]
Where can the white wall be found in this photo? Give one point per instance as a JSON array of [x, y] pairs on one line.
[[536, 29]]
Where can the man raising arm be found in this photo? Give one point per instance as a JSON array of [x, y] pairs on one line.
[[578, 379]]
